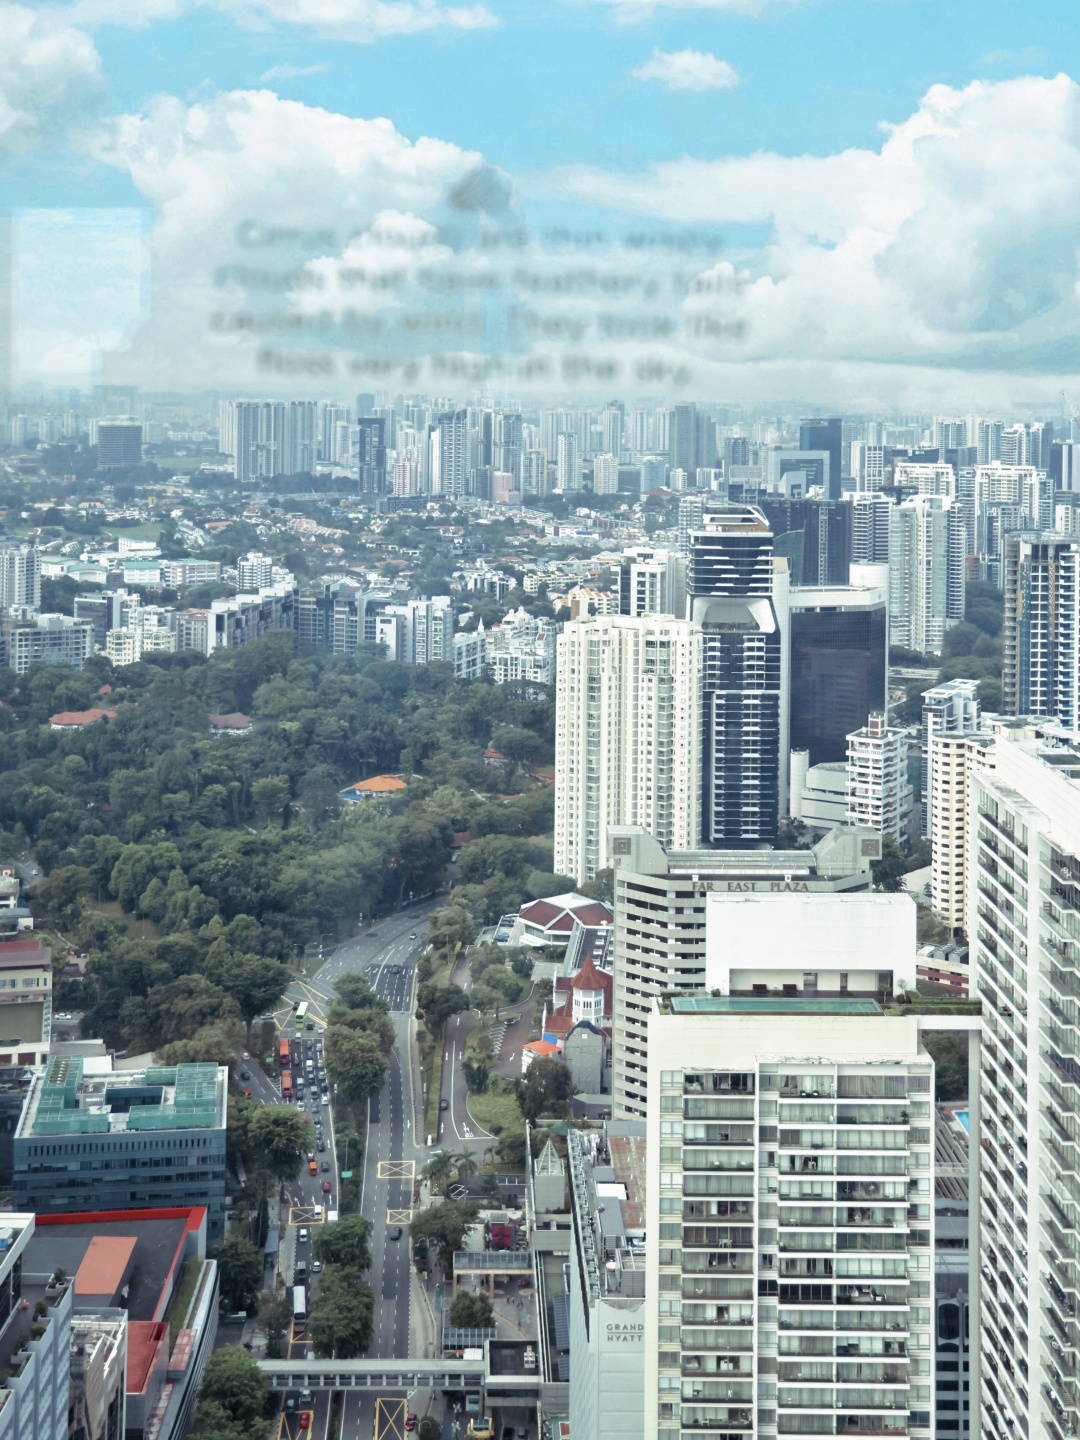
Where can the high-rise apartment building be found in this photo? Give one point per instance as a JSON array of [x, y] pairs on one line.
[[448, 450], [868, 467], [663, 934], [870, 529], [825, 435], [1005, 498], [534, 473], [45, 640], [839, 646], [418, 632], [927, 574], [924, 478], [1040, 639], [953, 756], [627, 735], [605, 474], [567, 469], [738, 593], [20, 576], [254, 571], [789, 1275], [880, 795], [948, 709], [652, 582], [1023, 927]]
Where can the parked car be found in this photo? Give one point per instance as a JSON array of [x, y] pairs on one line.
[[411, 1421], [316, 1267]]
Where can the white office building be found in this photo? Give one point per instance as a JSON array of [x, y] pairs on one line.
[[790, 1212], [627, 735], [254, 572], [605, 475]]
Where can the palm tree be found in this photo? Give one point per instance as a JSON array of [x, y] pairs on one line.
[[439, 1168], [466, 1163]]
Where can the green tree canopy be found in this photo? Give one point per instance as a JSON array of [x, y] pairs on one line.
[[240, 1269], [545, 1089], [345, 1242], [341, 1322], [279, 1136], [355, 1061], [234, 1397], [471, 1312]]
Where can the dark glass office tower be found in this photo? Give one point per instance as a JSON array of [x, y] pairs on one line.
[[731, 595], [838, 669], [824, 435], [371, 478], [817, 536]]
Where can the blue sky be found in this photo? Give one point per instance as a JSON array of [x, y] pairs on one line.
[[552, 83], [550, 96]]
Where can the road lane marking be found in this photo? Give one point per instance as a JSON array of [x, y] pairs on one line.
[[397, 1170], [399, 1217]]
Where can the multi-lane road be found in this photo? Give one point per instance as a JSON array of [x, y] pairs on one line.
[[386, 956]]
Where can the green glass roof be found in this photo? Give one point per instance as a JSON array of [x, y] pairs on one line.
[[782, 1005]]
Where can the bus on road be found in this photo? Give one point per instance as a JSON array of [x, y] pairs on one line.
[[283, 1053], [299, 1302], [301, 1012], [286, 1085]]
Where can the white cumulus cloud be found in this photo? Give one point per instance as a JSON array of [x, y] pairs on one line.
[[952, 245], [246, 189], [357, 21], [693, 70], [50, 78]]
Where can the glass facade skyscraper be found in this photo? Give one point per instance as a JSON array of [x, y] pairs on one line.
[[838, 668]]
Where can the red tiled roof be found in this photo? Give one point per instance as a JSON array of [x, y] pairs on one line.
[[233, 721], [379, 785], [542, 1048], [73, 719], [588, 977]]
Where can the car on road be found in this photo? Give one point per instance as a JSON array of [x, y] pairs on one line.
[[244, 1074], [246, 1090], [444, 1104], [320, 1145], [303, 1234], [311, 1154], [305, 1419], [395, 1232], [326, 1187], [316, 1267], [300, 1104], [325, 1165], [412, 934], [411, 1421]]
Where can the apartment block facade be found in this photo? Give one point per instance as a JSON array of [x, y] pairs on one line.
[[790, 1283]]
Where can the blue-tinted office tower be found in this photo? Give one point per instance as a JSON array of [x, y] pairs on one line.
[[371, 478], [737, 593], [824, 435]]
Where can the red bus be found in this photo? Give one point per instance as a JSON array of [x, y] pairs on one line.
[[283, 1053], [286, 1084]]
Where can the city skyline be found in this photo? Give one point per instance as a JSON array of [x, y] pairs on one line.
[[900, 238]]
